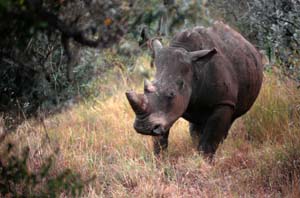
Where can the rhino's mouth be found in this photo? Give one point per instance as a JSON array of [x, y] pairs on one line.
[[158, 130], [146, 128]]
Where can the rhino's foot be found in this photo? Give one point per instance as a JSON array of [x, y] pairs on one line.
[[207, 150]]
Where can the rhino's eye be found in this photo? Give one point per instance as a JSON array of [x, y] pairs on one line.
[[171, 94], [180, 84]]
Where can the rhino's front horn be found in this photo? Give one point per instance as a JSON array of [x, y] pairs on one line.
[[138, 102], [149, 87]]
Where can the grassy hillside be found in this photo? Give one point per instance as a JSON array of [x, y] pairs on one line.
[[260, 157]]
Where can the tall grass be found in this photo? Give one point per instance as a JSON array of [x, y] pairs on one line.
[[276, 113], [259, 158], [263, 150]]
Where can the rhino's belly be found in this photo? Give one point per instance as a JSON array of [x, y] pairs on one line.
[[197, 116]]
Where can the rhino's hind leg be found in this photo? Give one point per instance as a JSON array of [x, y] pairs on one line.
[[160, 143], [215, 130], [196, 131]]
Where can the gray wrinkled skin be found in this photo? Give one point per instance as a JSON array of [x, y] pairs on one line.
[[208, 76]]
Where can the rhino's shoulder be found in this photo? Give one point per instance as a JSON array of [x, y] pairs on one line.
[[193, 39]]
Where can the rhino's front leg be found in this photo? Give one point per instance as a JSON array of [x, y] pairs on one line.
[[196, 130], [215, 130], [160, 143]]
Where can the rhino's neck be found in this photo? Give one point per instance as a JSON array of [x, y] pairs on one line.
[[198, 88]]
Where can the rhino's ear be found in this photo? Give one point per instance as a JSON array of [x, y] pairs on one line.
[[155, 45], [197, 55]]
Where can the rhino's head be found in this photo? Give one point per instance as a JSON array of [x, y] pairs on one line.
[[166, 98]]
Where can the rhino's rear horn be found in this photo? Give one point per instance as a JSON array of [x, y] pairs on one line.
[[138, 102]]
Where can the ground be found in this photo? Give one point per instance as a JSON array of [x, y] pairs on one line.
[[260, 157]]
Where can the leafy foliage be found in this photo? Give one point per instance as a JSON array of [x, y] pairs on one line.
[[44, 62], [272, 25]]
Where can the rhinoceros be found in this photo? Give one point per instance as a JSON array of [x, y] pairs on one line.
[[208, 76]]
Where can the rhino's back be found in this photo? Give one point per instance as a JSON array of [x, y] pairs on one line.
[[246, 61], [243, 60]]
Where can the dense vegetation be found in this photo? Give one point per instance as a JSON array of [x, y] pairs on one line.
[[50, 54], [45, 60], [59, 53], [272, 25]]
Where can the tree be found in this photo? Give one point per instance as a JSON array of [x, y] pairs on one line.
[[38, 56], [272, 25], [46, 39]]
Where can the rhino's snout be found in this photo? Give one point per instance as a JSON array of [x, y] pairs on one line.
[[153, 130]]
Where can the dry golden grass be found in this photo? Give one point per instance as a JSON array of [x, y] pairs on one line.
[[260, 158]]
